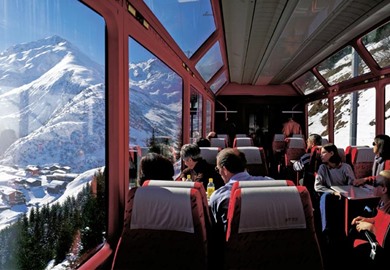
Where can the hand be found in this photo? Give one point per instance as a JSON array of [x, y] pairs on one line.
[[356, 220], [338, 194], [359, 182], [364, 226]]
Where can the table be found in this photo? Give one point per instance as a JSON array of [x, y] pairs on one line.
[[355, 200]]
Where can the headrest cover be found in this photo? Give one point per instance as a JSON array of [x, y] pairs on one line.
[[168, 183], [262, 183], [271, 208], [162, 208]]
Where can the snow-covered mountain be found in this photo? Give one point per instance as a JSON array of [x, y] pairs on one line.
[[52, 105]]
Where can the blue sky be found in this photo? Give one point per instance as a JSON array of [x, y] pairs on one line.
[[29, 20]]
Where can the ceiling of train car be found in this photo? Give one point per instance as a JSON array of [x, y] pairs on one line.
[[275, 41]]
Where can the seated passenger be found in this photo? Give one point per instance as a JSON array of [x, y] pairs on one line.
[[377, 226], [197, 167], [203, 142], [231, 166], [381, 149], [333, 172], [155, 166], [313, 140]]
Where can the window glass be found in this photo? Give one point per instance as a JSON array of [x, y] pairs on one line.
[[318, 117], [155, 106], [210, 63], [366, 117], [387, 109], [183, 18], [195, 115], [308, 83], [351, 128], [53, 133], [377, 43], [208, 117], [222, 79], [343, 65]]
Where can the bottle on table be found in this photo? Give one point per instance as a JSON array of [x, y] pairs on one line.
[[189, 178], [210, 188]]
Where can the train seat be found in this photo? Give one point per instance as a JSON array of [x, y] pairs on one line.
[[218, 142], [210, 154], [242, 141], [295, 148], [164, 228], [363, 162], [185, 184], [271, 228], [241, 135], [256, 163], [278, 143]]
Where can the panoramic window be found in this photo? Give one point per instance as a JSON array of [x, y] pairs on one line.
[[208, 117], [52, 147], [377, 43], [343, 65], [387, 109], [308, 83], [220, 81], [190, 23], [356, 106], [210, 63], [155, 106], [318, 117], [195, 115]]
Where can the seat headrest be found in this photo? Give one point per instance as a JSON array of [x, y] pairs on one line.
[[162, 208], [168, 183], [365, 155], [260, 183], [271, 208]]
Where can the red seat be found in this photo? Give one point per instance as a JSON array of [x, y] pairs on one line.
[[271, 228], [363, 160], [164, 228], [218, 142]]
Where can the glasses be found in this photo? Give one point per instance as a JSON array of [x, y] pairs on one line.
[[374, 143], [217, 169]]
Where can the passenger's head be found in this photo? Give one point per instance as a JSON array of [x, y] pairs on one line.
[[156, 167], [230, 162], [381, 146], [382, 184], [190, 154], [203, 142], [330, 154], [314, 140]]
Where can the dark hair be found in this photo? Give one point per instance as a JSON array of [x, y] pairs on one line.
[[233, 160], [190, 151], [203, 142], [155, 166], [330, 147], [315, 138], [383, 145]]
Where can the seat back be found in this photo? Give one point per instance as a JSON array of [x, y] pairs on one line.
[[210, 154], [242, 141], [256, 163], [278, 143], [218, 142], [363, 161], [185, 184], [163, 227], [241, 135], [271, 228], [295, 148]]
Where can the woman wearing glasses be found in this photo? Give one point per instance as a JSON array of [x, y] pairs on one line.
[[381, 148]]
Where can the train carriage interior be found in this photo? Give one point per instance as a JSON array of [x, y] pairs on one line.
[[88, 88]]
